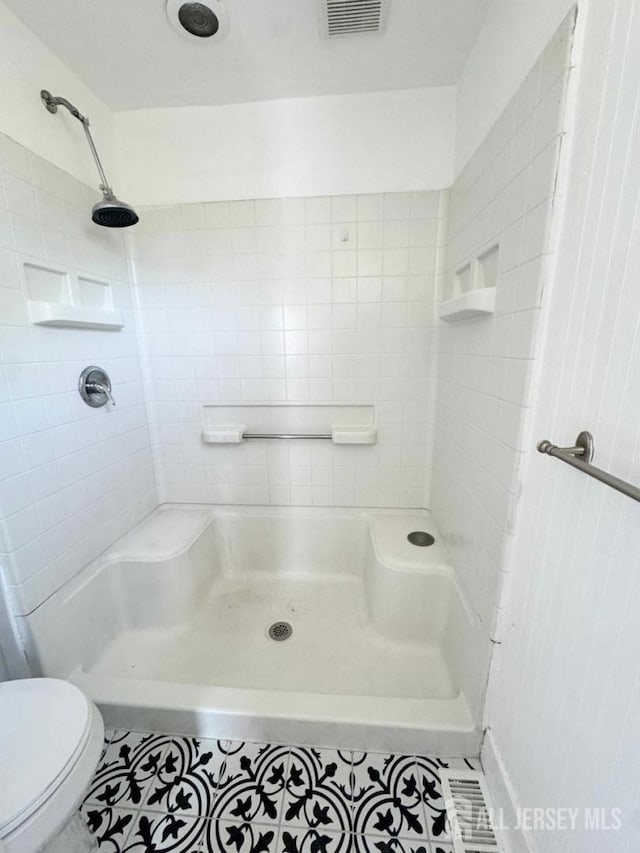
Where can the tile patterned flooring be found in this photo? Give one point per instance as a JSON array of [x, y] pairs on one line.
[[156, 793]]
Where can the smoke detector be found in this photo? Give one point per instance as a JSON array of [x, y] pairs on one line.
[[351, 17], [199, 22]]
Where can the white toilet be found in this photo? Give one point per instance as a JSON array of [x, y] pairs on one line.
[[51, 737]]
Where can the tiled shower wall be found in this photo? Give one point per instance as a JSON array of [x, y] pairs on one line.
[[504, 196], [72, 479], [317, 300], [567, 674]]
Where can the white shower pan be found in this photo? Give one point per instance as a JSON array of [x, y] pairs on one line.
[[168, 629]]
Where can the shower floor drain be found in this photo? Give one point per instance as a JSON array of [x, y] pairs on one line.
[[280, 631]]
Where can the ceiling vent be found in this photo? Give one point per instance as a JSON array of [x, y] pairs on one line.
[[350, 17], [469, 811]]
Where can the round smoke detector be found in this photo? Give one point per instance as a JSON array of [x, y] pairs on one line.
[[203, 22]]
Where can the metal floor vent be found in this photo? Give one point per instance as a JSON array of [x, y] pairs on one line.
[[280, 631], [346, 17], [468, 809]]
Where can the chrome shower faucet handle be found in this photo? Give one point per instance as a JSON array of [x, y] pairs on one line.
[[94, 387]]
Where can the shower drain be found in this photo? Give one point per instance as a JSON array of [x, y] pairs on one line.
[[280, 631], [421, 538]]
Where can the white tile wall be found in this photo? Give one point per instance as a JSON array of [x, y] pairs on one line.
[[564, 701], [72, 478], [326, 299], [505, 195]]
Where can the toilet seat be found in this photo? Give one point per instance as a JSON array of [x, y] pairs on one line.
[[51, 737]]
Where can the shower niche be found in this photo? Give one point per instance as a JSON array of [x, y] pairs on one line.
[[66, 300], [474, 288]]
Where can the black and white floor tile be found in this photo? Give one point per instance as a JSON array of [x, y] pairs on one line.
[[187, 777], [130, 762], [156, 793], [431, 790], [252, 784], [111, 826], [304, 839], [153, 832], [319, 790], [238, 837]]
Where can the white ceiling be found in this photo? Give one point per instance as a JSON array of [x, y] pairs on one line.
[[127, 52]]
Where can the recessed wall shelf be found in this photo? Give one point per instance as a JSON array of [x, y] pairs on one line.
[[73, 316], [475, 303], [474, 288], [464, 278], [65, 300]]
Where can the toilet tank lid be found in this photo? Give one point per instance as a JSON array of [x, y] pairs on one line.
[[44, 724]]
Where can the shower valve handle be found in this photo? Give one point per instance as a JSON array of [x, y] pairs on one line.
[[99, 388], [94, 387]]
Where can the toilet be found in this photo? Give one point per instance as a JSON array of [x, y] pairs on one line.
[[51, 737]]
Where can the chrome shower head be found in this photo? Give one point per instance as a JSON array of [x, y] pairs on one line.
[[110, 212], [113, 213]]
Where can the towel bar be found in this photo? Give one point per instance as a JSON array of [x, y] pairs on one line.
[[580, 457]]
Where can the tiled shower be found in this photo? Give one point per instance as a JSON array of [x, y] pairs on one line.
[[58, 515], [318, 301], [446, 593], [322, 300]]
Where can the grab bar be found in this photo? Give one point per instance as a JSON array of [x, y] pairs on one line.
[[237, 433], [580, 457], [279, 435]]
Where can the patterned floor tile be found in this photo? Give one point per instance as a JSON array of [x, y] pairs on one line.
[[429, 774], [431, 792], [388, 798], [318, 789], [238, 837], [187, 777], [164, 833], [156, 793], [251, 783], [304, 839], [130, 762], [110, 827], [375, 844]]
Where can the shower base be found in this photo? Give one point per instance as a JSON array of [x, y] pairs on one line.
[[333, 650], [169, 630]]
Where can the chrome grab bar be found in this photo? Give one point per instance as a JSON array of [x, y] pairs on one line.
[[580, 457], [279, 435]]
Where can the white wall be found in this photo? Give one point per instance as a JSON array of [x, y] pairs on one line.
[[564, 697], [72, 479], [378, 142], [26, 67], [381, 142], [503, 198], [514, 34], [265, 302]]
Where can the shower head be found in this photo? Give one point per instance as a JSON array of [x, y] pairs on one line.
[[113, 213], [110, 212]]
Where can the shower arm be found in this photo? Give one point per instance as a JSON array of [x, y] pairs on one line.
[[52, 103]]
